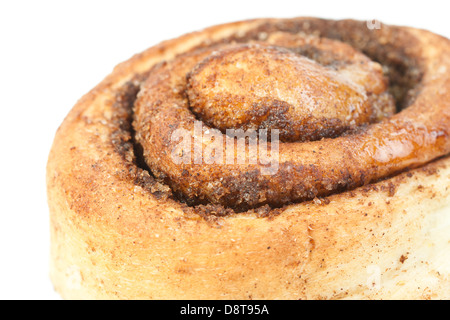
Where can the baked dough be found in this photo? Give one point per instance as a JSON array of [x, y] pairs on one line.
[[123, 227]]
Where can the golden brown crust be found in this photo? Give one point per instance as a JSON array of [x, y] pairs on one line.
[[117, 232]]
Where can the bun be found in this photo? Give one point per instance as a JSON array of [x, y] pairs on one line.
[[337, 184]]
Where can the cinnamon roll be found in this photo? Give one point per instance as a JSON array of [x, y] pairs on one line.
[[265, 159]]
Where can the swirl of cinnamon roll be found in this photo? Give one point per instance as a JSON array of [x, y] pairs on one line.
[[329, 102]]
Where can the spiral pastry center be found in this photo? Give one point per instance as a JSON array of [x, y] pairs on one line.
[[268, 87], [330, 104]]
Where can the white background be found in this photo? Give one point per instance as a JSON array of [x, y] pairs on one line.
[[53, 52]]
